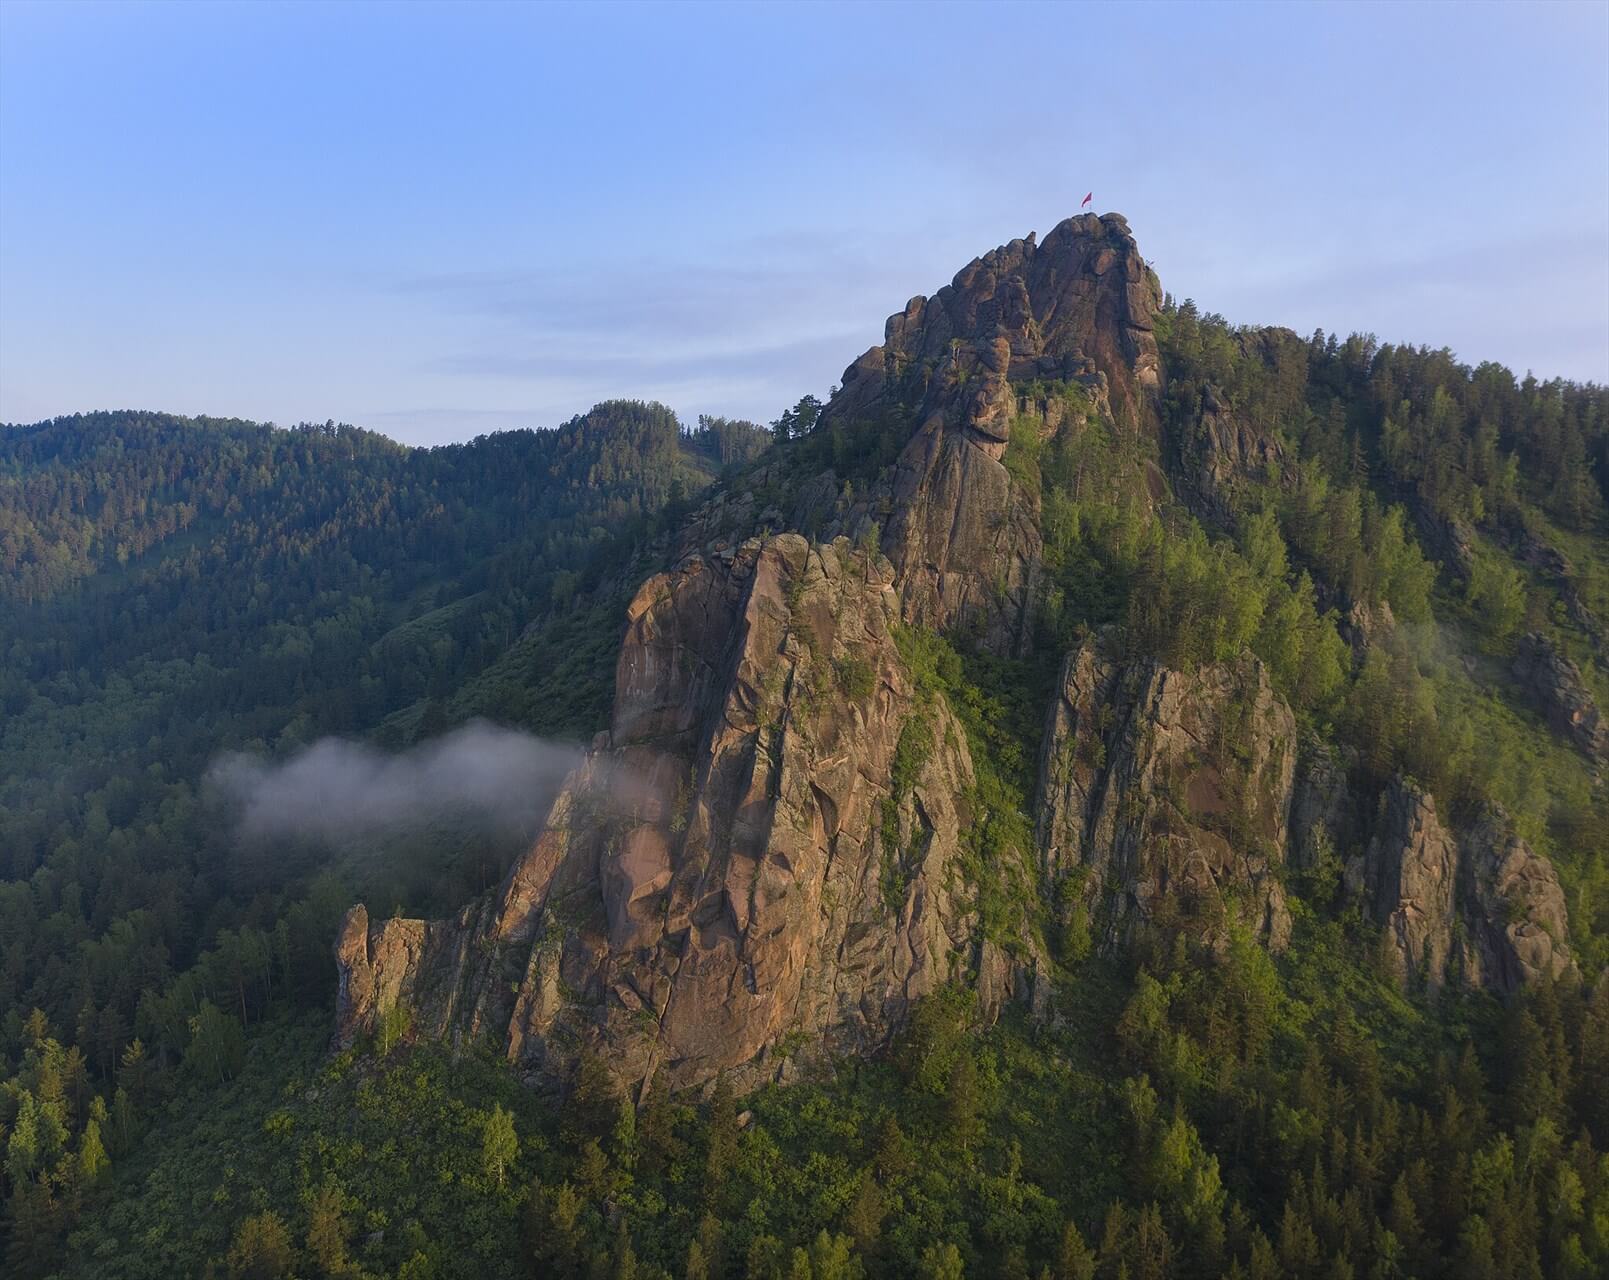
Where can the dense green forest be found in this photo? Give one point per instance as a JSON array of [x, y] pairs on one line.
[[175, 588]]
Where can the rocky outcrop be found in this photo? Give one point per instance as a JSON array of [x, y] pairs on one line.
[[1166, 796], [774, 850], [1449, 539], [1080, 307], [1555, 681], [1517, 922], [1485, 907], [731, 875], [1076, 310], [1324, 819], [1407, 879], [1221, 453]]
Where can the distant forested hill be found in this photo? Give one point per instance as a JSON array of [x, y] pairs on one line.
[[171, 588]]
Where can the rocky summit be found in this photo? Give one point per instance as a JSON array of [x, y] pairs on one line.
[[769, 856]]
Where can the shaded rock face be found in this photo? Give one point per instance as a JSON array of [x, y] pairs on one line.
[[1555, 681], [1406, 879], [1214, 449], [1324, 818], [1168, 795], [714, 880], [1220, 453], [1518, 921], [1484, 907], [1079, 309], [1451, 541]]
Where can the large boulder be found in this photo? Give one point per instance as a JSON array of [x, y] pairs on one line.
[[1518, 927]]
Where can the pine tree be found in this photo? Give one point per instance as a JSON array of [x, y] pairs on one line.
[[1074, 1258], [961, 1102], [623, 1262], [1114, 1239], [711, 1241], [721, 1152], [623, 1142], [893, 1158], [1153, 1250], [764, 1259], [592, 1109], [864, 1217], [92, 1161], [942, 1262], [832, 1257], [327, 1231], [34, 1220], [261, 1249], [656, 1128]]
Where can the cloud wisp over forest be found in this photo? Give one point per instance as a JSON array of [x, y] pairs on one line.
[[337, 791]]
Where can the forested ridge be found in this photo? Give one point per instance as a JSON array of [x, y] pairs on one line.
[[177, 588]]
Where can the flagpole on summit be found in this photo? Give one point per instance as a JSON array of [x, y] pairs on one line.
[[1086, 200]]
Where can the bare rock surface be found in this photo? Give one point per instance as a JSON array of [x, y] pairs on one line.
[[1555, 681], [713, 888], [1168, 795], [1078, 310], [1483, 906]]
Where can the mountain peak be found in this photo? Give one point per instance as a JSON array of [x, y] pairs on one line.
[[1077, 307]]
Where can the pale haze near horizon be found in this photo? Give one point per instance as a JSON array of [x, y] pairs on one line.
[[436, 222]]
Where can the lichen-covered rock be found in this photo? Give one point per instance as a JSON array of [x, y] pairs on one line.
[[1484, 906], [729, 877], [1167, 795], [1555, 681]]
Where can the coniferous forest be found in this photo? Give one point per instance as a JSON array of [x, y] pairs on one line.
[[1190, 1100]]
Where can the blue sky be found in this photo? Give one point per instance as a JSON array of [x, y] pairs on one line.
[[440, 221]]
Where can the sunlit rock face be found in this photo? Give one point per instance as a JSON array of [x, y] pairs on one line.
[[716, 879], [739, 879]]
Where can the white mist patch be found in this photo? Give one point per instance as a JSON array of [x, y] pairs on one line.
[[339, 791]]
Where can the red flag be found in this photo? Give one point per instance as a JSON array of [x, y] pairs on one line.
[[1087, 199]]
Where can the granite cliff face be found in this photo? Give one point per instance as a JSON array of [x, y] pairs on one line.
[[1077, 309], [1483, 906], [717, 884], [1166, 797], [768, 857], [1563, 695]]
